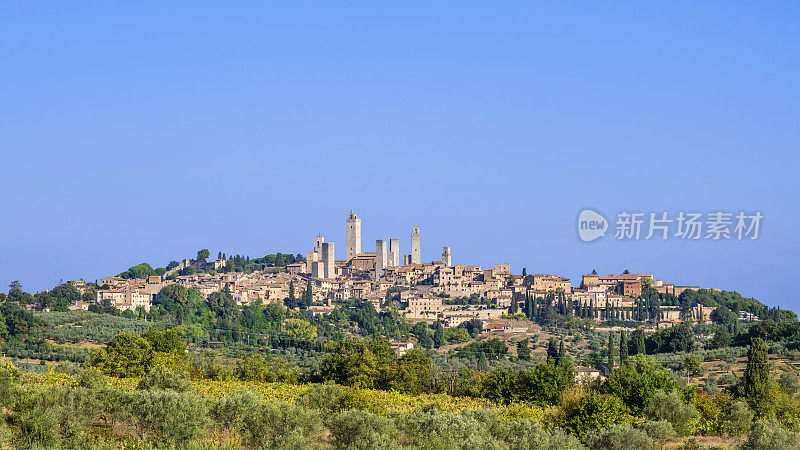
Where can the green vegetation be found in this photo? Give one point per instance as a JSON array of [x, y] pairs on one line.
[[200, 371]]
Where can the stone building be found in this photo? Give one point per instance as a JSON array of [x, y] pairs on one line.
[[328, 260], [416, 250], [380, 258], [447, 258], [394, 253], [353, 229]]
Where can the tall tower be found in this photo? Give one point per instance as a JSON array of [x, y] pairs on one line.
[[380, 258], [328, 261], [394, 252], [447, 258], [315, 257], [353, 244], [416, 252]]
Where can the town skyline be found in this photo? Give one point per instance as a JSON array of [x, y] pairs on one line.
[[429, 250]]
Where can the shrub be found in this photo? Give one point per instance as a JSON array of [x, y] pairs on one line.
[[162, 378], [168, 418], [622, 437], [593, 412], [356, 429], [281, 425], [670, 407], [710, 385], [231, 410], [789, 381], [768, 434], [444, 430], [528, 434], [727, 379], [325, 397], [659, 430], [737, 419], [274, 368]]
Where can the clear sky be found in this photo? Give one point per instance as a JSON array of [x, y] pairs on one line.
[[138, 132]]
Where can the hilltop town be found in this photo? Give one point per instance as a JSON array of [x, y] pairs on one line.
[[431, 291]]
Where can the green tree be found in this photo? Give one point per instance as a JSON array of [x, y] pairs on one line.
[[360, 363], [308, 294], [692, 365], [61, 297], [412, 373], [167, 418], [755, 383], [638, 342], [721, 339], [768, 434], [523, 350], [438, 335], [619, 437], [203, 254], [593, 412], [670, 406], [15, 286], [636, 382], [552, 350], [127, 355], [623, 348], [610, 363], [299, 329]]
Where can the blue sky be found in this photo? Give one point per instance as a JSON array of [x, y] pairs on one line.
[[144, 132]]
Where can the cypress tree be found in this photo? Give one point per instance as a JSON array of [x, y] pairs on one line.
[[756, 388], [610, 363], [623, 348], [562, 354], [438, 335], [523, 351], [638, 342], [528, 307], [552, 350]]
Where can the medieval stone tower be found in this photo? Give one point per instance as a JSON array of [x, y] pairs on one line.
[[353, 244], [328, 260], [416, 251], [380, 258], [447, 258], [394, 252]]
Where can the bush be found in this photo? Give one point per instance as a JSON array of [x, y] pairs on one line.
[[168, 418], [356, 429], [281, 425], [670, 407], [162, 378], [789, 381], [528, 434], [660, 430], [444, 430], [727, 379], [737, 419], [768, 434], [622, 437], [325, 397], [593, 412], [231, 410]]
